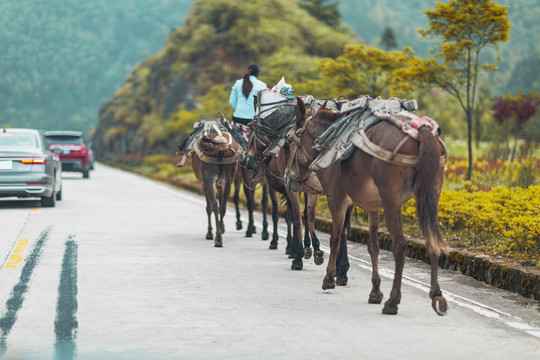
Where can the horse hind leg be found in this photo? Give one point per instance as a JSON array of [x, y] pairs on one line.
[[209, 194], [218, 239], [393, 222], [250, 200], [221, 206], [376, 295], [438, 302], [236, 200], [264, 204]]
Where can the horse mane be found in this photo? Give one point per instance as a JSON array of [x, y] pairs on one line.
[[329, 115]]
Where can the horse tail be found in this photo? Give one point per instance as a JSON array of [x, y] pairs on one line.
[[425, 190]]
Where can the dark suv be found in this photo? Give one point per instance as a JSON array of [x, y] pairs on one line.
[[71, 149]]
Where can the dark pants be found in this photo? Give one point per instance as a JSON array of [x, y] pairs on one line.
[[241, 121]]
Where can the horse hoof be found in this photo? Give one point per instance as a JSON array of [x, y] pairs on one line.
[[342, 281], [319, 257], [307, 253], [265, 236], [375, 297], [438, 303], [390, 308], [249, 233], [328, 284], [272, 246], [297, 266], [218, 243], [239, 225], [209, 236]]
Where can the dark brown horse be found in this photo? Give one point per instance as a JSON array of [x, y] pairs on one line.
[[250, 181], [274, 168], [215, 164], [373, 184]]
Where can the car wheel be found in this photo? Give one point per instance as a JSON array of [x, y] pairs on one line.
[[86, 173], [49, 201], [59, 195]]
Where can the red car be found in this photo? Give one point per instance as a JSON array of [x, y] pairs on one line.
[[71, 149]]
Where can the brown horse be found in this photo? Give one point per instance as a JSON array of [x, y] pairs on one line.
[[274, 168], [215, 164], [373, 184], [249, 180]]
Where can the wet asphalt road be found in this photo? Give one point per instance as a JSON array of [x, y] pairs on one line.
[[120, 269]]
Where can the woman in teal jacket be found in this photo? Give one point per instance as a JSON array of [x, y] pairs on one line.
[[243, 95]]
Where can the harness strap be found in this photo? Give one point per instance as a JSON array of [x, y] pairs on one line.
[[398, 146], [362, 141], [220, 161]]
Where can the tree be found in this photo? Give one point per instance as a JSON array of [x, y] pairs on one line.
[[388, 39], [462, 29], [520, 109], [363, 70], [327, 13]]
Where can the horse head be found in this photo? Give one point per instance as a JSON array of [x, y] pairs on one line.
[[256, 144], [301, 142], [301, 155]]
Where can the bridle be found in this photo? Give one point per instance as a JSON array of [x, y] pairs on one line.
[[253, 140], [295, 144]]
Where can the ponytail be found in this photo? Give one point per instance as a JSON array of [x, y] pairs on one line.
[[247, 85]]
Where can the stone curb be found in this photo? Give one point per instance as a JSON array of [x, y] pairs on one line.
[[479, 267]]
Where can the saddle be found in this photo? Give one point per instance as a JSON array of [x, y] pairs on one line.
[[218, 148], [349, 131], [275, 117], [201, 129]]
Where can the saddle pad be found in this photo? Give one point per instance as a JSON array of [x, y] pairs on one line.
[[356, 104], [201, 127], [336, 143]]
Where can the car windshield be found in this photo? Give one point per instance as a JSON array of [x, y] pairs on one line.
[[18, 140], [64, 139]]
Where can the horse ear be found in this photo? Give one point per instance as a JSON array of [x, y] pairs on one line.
[[300, 112], [323, 107]]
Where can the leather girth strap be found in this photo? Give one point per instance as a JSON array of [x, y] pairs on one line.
[[361, 140], [215, 160]]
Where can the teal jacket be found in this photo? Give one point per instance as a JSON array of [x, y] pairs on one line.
[[244, 108]]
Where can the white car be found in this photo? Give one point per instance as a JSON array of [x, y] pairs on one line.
[[28, 168]]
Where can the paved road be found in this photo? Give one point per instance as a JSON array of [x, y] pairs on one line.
[[120, 270]]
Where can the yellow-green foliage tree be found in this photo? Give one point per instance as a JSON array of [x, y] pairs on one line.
[[361, 70], [462, 29]]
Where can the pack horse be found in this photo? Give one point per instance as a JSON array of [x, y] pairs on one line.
[[215, 164], [375, 154]]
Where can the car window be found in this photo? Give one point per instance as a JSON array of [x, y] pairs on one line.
[[18, 140], [64, 139]]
